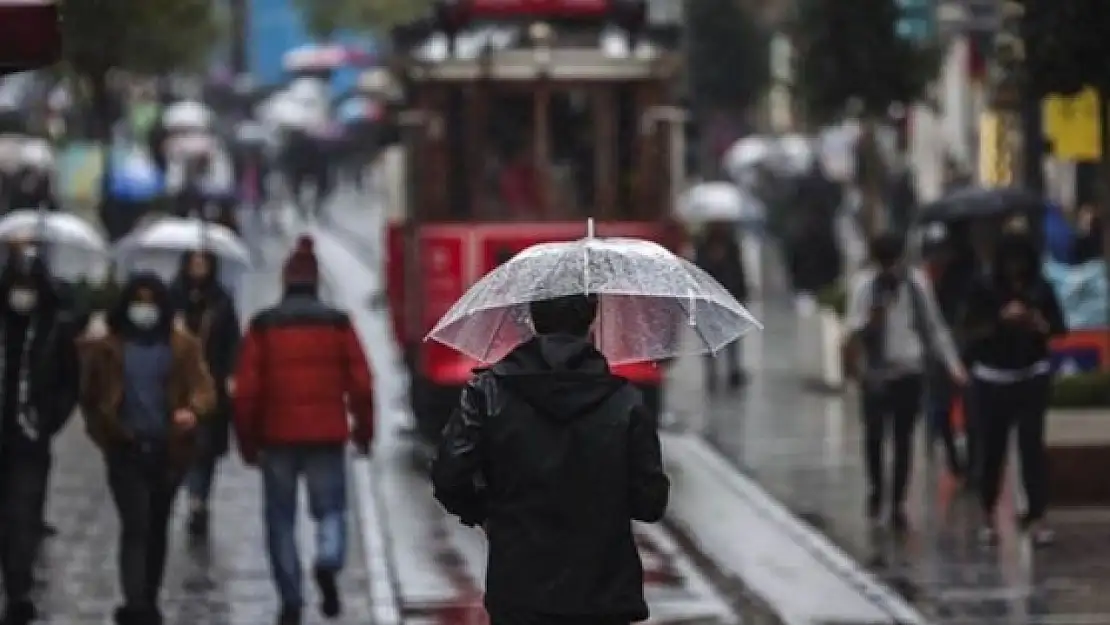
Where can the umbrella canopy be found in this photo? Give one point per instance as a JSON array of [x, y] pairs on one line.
[[11, 152], [979, 202], [720, 201], [286, 112], [62, 229], [187, 114], [796, 154], [134, 177], [746, 154], [646, 294], [175, 234], [38, 155]]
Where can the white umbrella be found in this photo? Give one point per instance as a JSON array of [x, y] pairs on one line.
[[720, 201], [63, 229], [190, 144], [746, 154], [286, 112], [175, 234], [187, 114], [796, 154], [37, 154], [11, 151]]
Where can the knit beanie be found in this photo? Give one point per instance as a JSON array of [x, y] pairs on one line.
[[301, 267]]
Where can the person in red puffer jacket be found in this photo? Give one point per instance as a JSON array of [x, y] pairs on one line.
[[301, 372]]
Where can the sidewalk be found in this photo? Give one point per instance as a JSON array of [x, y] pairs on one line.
[[226, 583], [805, 450]]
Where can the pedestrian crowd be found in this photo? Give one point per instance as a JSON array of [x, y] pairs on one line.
[[971, 323], [160, 390]]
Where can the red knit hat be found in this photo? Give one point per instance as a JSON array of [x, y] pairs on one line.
[[301, 266]]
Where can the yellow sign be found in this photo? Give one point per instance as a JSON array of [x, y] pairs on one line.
[[1073, 125], [995, 165]]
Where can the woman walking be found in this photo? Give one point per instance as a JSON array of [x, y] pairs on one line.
[[1012, 314], [208, 311]]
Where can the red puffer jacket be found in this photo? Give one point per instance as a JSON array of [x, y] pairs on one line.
[[301, 371]]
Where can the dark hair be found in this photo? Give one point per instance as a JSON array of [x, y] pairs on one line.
[[1017, 247], [571, 314], [886, 249], [29, 270], [118, 320]]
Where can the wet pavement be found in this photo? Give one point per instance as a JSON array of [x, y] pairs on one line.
[[224, 582], [804, 447]]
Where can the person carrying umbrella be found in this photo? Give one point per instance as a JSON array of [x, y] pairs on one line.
[[1013, 313], [144, 390], [554, 457], [548, 451], [208, 311], [40, 377]]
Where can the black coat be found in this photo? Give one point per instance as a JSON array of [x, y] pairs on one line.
[[217, 326], [555, 457]]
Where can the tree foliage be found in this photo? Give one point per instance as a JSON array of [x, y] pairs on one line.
[[324, 18], [850, 53], [1067, 46], [143, 36], [729, 54]]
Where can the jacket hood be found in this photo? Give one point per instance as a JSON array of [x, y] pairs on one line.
[[1018, 247], [120, 323], [562, 377]]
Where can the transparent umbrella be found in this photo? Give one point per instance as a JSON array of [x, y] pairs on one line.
[[174, 234], [646, 294], [61, 229], [721, 201]]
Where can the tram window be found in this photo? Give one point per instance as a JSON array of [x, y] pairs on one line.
[[627, 137], [573, 160], [510, 176]]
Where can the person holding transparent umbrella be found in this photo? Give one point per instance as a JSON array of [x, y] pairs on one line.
[[549, 452]]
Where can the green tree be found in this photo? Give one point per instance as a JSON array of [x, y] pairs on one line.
[[729, 55], [141, 36], [324, 18], [851, 57]]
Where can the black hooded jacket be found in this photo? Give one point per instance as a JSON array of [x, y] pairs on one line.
[[1011, 345], [54, 367], [209, 313], [555, 456]]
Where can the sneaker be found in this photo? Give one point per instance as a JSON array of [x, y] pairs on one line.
[[289, 616], [19, 613], [198, 523], [1039, 534], [329, 593]]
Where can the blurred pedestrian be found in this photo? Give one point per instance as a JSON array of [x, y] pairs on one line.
[[1088, 234], [554, 457], [1013, 313], [33, 188], [145, 388], [895, 327], [719, 254], [40, 377], [208, 311], [301, 371]]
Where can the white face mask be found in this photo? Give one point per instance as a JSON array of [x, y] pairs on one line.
[[145, 316], [22, 300]]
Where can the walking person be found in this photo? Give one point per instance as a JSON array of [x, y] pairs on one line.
[[895, 327], [208, 311], [145, 387], [554, 457], [719, 254], [1013, 313], [301, 371], [40, 383]]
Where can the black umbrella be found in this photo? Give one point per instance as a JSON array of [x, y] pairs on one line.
[[979, 202]]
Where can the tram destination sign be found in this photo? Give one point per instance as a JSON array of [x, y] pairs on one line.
[[494, 9]]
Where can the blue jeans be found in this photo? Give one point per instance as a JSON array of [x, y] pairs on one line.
[[324, 471]]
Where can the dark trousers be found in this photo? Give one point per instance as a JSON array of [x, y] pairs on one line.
[[731, 355], [890, 406], [1002, 408], [23, 477], [143, 488]]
